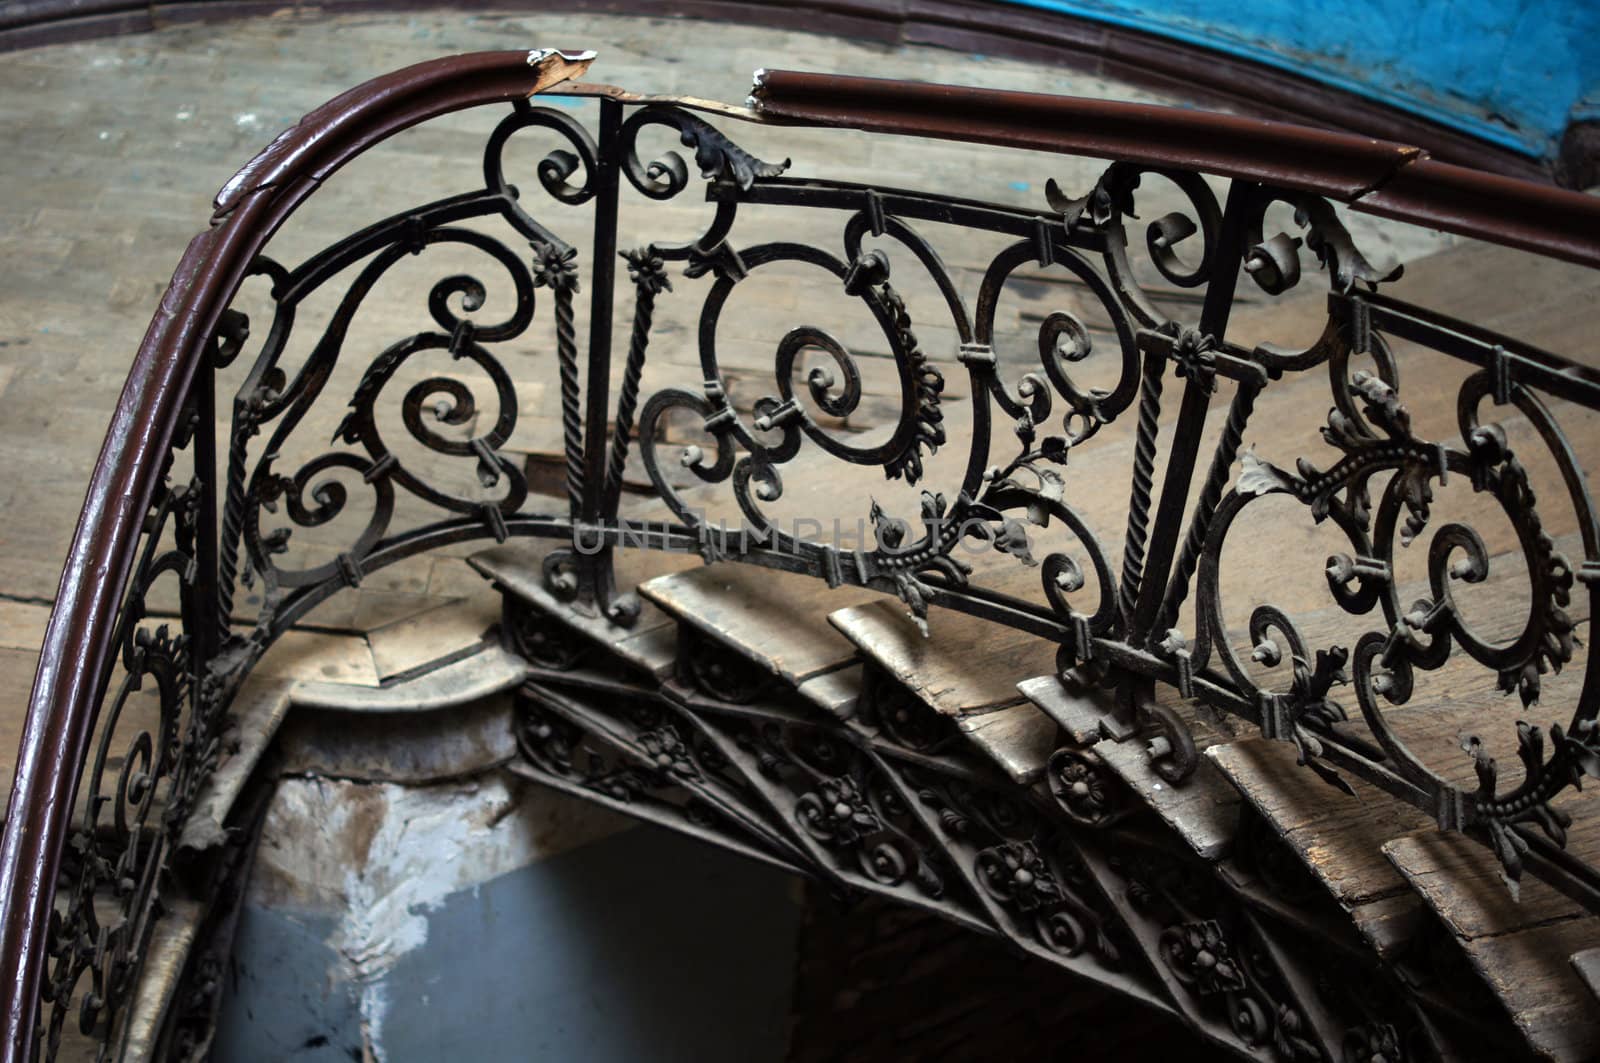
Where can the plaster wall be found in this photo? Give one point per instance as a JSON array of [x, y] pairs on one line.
[[485, 920]]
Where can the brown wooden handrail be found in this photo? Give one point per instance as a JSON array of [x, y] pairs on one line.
[[1381, 177]]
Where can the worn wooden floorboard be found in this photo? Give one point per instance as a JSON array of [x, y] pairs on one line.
[[1204, 810]]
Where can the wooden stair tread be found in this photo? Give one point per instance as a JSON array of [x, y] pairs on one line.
[[254, 717], [1338, 837], [165, 956], [964, 665], [835, 692], [1019, 739], [1204, 810], [777, 619], [942, 671], [1521, 944], [487, 671], [1531, 973], [649, 644], [1462, 879], [265, 701], [1076, 711], [417, 643], [1587, 963]]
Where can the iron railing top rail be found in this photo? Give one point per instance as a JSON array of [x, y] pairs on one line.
[[1382, 177]]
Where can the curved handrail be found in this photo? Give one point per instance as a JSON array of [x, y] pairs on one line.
[[1386, 178], [63, 704], [1383, 177], [1213, 76]]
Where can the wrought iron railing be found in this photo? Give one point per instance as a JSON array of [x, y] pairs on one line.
[[168, 508]]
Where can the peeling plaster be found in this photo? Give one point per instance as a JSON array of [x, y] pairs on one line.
[[378, 858]]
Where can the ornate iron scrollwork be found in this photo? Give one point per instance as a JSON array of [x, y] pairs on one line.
[[1378, 492], [1087, 791], [420, 459], [1025, 868], [159, 738]]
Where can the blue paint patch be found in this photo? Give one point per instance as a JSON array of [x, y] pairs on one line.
[[1020, 186], [1510, 73]]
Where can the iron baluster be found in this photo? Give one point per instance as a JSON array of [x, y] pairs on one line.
[[1239, 410], [1144, 465], [563, 280], [597, 410], [649, 278], [1242, 197]]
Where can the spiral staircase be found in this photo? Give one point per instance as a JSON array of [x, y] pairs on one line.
[[1262, 865]]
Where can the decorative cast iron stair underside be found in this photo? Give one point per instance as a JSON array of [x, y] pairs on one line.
[[821, 730]]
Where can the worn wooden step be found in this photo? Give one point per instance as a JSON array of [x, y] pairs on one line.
[[254, 718], [455, 681], [1521, 942], [964, 670], [776, 620], [164, 960], [1339, 838], [438, 660], [650, 644], [736, 610]]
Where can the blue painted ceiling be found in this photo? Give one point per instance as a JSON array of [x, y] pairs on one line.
[[1513, 72]]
